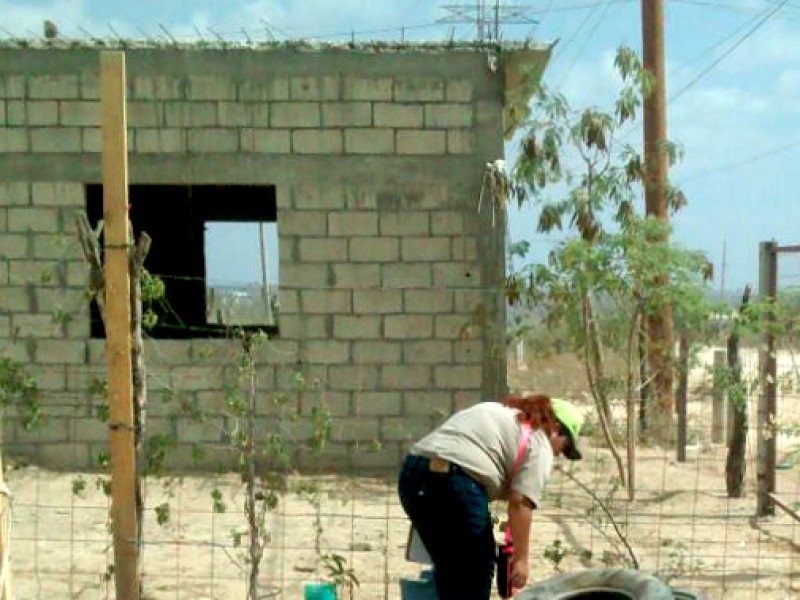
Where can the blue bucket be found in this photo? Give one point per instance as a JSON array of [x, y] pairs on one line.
[[319, 591]]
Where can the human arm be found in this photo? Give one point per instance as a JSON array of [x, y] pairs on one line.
[[520, 510]]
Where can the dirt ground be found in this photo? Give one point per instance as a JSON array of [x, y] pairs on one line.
[[681, 526]]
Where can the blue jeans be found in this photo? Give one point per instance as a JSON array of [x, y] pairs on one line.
[[451, 514]]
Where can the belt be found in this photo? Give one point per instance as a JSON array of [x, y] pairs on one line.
[[439, 465]]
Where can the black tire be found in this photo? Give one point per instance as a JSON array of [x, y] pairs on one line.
[[684, 595], [626, 582]]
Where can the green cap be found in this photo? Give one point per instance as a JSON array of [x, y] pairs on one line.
[[571, 420]]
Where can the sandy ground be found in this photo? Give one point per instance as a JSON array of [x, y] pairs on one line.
[[680, 526]]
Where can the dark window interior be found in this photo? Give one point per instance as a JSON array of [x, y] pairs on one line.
[[175, 217]]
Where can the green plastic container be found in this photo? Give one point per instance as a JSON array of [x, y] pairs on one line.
[[319, 591]]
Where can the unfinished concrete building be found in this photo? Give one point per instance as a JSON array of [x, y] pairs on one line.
[[369, 162]]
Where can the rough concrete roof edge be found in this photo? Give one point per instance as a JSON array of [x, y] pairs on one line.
[[375, 46]]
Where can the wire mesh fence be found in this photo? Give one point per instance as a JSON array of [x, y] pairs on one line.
[[681, 525]]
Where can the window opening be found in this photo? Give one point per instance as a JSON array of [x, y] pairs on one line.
[[241, 273], [207, 248]]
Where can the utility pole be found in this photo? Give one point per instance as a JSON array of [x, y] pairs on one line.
[[496, 20], [266, 292], [724, 268], [480, 18], [659, 325]]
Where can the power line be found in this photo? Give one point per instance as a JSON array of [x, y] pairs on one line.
[[760, 23], [575, 32], [347, 33], [515, 16], [721, 42], [269, 27], [545, 11], [755, 27], [577, 7], [732, 7], [586, 39], [743, 162]]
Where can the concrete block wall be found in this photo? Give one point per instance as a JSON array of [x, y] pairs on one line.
[[389, 277]]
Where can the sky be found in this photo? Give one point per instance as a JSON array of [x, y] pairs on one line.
[[733, 79]]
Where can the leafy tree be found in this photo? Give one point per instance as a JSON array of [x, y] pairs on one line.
[[603, 281]]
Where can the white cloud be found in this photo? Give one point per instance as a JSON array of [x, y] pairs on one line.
[[720, 125], [775, 45], [292, 18], [587, 83], [786, 92], [199, 21], [719, 102]]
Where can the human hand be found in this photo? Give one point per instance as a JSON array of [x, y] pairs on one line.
[[519, 572]]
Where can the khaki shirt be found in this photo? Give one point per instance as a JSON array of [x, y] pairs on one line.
[[484, 441]]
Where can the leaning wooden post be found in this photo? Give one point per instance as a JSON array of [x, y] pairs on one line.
[[118, 340]]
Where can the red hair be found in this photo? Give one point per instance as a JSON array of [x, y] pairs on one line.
[[535, 408]]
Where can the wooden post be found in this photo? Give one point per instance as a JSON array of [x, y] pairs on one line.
[[266, 292], [765, 434], [736, 463], [729, 422], [6, 591], [718, 399], [118, 340], [683, 396]]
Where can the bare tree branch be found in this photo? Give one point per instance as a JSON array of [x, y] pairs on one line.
[[90, 245], [606, 511], [594, 373]]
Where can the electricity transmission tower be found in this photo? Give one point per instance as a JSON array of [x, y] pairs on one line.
[[488, 19]]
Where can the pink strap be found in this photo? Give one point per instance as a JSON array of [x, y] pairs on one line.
[[524, 441]]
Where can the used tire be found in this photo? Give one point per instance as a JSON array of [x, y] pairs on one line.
[[684, 595], [591, 583]]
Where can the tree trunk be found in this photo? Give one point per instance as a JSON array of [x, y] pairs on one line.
[[630, 405], [254, 524], [661, 417], [683, 395], [736, 465], [596, 358], [90, 245], [593, 361], [644, 377]]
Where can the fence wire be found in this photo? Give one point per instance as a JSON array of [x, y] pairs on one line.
[[681, 526]]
